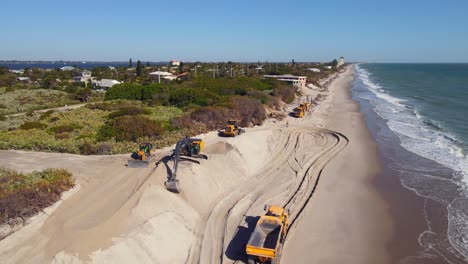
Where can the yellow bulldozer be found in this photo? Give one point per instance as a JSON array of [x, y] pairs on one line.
[[232, 129], [266, 241], [142, 157]]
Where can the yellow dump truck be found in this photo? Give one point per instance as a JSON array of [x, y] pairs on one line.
[[266, 241]]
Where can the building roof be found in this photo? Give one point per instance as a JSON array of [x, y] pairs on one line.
[[162, 73], [67, 68], [284, 76]]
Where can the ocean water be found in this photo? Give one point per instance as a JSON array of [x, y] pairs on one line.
[[21, 65], [425, 107]]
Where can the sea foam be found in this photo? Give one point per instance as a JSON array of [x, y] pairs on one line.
[[428, 139]]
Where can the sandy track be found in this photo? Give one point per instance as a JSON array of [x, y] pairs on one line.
[[289, 179]]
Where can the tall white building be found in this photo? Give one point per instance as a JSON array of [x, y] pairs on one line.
[[341, 62]]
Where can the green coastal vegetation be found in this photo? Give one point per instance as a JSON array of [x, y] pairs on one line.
[[24, 195], [140, 109]]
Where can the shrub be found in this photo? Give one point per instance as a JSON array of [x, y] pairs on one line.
[[111, 106], [286, 93], [2, 106], [33, 125], [129, 110], [212, 117], [125, 91], [64, 128], [88, 148], [2, 117], [46, 115], [250, 111], [22, 196], [129, 128], [54, 119]]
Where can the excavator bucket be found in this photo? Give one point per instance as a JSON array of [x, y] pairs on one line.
[[172, 185]]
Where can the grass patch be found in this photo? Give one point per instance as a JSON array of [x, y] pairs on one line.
[[24, 195], [24, 100]]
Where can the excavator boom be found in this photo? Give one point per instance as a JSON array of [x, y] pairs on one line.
[[187, 147]]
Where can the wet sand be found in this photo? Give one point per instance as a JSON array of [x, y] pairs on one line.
[[346, 220]]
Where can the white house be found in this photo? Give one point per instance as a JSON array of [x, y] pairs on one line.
[[67, 68], [297, 81], [17, 71], [107, 83], [328, 67], [84, 76], [163, 75], [23, 79], [175, 63], [314, 69]]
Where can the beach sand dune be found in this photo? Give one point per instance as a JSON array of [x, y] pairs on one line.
[[314, 167]]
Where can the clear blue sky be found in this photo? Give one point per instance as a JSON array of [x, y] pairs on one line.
[[237, 30]]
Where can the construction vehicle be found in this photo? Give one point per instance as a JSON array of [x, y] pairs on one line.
[[232, 129], [305, 106], [186, 149], [143, 157], [299, 112], [267, 239], [301, 109]]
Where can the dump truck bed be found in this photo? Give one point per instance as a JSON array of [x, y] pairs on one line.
[[264, 239]]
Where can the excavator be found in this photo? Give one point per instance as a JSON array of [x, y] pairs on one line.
[[186, 149], [143, 157], [232, 129]]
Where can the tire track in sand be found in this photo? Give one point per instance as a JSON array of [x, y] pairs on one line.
[[304, 152]]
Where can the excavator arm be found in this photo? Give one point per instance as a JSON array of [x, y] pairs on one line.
[[183, 148]]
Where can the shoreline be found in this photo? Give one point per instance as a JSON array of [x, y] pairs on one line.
[[347, 220], [421, 224]]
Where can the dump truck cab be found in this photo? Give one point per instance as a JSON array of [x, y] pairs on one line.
[[265, 243]]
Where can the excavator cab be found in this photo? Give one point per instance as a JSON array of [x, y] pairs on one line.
[[145, 149]]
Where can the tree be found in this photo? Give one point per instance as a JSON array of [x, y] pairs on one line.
[[334, 63], [181, 67], [147, 64], [130, 64], [83, 94], [138, 68]]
